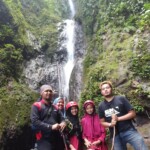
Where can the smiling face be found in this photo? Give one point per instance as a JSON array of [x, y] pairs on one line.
[[89, 109], [60, 104], [74, 110]]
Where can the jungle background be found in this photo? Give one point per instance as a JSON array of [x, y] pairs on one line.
[[117, 41]]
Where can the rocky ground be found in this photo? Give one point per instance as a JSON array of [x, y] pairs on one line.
[[144, 130]]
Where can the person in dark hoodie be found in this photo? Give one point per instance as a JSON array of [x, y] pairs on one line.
[[47, 120], [74, 135]]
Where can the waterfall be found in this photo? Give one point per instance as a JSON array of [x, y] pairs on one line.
[[58, 69], [68, 34], [72, 9]]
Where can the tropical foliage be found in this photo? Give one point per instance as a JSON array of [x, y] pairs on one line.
[[117, 32], [18, 19]]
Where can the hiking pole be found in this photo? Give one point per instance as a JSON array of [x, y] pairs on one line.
[[64, 140], [64, 115], [113, 139], [114, 132], [65, 107]]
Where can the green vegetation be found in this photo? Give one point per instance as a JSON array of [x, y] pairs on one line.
[[15, 105], [118, 48], [97, 14], [19, 20], [117, 36], [141, 60], [10, 62], [144, 62], [38, 18]]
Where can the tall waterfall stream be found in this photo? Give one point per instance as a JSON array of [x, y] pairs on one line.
[[56, 73]]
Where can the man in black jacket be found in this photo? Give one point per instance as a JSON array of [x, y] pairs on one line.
[[47, 121]]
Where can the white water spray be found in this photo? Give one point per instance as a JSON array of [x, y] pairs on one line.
[[70, 50], [68, 34], [72, 9]]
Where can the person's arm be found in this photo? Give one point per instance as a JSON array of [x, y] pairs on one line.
[[129, 109], [35, 119], [62, 120], [62, 125], [87, 142], [71, 147], [130, 115], [103, 134], [38, 123], [107, 124]]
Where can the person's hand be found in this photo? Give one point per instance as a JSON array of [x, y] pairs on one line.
[[62, 126], [87, 143], [114, 120], [114, 117], [113, 123], [95, 143], [72, 147], [55, 126]]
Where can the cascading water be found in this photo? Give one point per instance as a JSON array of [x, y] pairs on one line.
[[57, 70], [68, 34], [71, 8]]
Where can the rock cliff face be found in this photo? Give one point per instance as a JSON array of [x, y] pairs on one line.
[[47, 70]]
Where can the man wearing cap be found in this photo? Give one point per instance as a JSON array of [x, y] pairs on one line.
[[48, 121]]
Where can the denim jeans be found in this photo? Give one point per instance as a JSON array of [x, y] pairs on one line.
[[132, 137]]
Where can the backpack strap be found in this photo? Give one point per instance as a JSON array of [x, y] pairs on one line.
[[38, 105]]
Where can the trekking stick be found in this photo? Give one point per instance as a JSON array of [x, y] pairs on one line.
[[114, 132], [113, 139], [63, 136], [65, 107], [64, 140]]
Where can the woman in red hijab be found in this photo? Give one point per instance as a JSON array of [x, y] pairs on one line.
[[93, 132]]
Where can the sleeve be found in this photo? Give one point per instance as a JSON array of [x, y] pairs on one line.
[[103, 134], [101, 111], [83, 128], [61, 116], [36, 121], [126, 104]]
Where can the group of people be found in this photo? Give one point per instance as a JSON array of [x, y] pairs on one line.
[[58, 127]]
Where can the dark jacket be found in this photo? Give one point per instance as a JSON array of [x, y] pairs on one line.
[[43, 116]]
